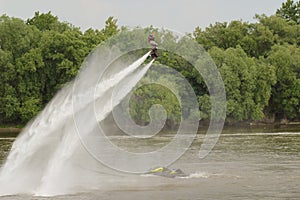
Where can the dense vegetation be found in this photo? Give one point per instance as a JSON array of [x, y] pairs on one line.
[[37, 57], [259, 63]]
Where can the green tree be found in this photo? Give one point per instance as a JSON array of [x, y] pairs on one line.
[[290, 11], [285, 93], [47, 22], [62, 54], [37, 58], [16, 37], [246, 99], [150, 94], [256, 39], [16, 41], [8, 98], [283, 31], [29, 75], [111, 27], [92, 38]]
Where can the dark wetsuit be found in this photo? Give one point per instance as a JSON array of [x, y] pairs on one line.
[[154, 46]]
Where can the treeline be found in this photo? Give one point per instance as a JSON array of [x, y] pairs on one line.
[[37, 57], [259, 63]]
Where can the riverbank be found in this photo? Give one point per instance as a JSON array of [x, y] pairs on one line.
[[232, 127], [11, 130]]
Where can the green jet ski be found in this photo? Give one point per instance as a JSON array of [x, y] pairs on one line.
[[166, 172]]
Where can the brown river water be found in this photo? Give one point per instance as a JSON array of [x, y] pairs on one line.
[[246, 163]]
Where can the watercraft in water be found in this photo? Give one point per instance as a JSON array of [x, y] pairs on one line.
[[166, 172]]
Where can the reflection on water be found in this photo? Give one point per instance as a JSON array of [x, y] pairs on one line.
[[245, 164]]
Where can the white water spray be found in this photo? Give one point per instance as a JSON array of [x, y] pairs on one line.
[[48, 157]]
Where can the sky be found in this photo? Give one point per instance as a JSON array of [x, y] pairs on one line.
[[178, 15]]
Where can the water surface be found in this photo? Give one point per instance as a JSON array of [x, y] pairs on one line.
[[245, 164]]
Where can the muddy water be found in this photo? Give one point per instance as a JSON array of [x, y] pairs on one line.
[[245, 164]]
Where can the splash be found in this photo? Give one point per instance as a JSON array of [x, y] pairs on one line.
[[48, 157]]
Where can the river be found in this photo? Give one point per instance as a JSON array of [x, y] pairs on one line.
[[246, 163]]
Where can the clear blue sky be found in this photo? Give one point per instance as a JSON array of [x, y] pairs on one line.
[[183, 15]]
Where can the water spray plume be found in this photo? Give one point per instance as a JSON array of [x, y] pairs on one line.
[[47, 157]]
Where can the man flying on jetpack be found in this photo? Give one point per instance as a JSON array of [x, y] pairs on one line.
[[151, 41]]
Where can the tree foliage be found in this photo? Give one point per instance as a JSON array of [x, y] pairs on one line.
[[290, 11], [38, 57], [259, 63], [248, 82], [285, 100]]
